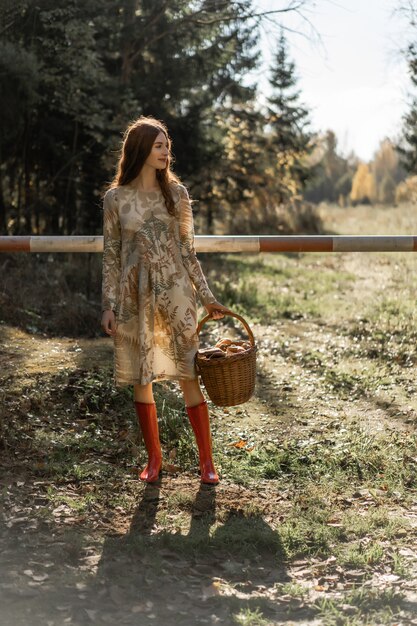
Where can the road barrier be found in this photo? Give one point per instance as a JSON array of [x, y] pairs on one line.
[[227, 243]]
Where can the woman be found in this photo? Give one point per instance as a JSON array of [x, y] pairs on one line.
[[150, 278]]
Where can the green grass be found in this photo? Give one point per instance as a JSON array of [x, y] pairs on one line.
[[305, 532], [360, 555], [250, 617], [268, 288], [381, 522], [350, 456], [293, 589], [317, 471], [360, 607], [387, 331]]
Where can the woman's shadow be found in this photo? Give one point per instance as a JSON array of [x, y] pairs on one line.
[[217, 568]]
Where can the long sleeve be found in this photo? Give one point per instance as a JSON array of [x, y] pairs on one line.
[[111, 253], [188, 253]]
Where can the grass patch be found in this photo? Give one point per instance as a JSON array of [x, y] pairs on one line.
[[182, 500], [305, 532], [381, 522], [360, 555], [386, 331], [246, 535], [359, 607], [268, 288], [348, 457], [365, 468], [250, 617], [295, 590]]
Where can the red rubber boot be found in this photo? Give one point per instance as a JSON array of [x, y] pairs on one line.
[[199, 419], [148, 422]]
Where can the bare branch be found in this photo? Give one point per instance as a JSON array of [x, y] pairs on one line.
[[293, 6], [270, 26], [221, 17], [408, 8]]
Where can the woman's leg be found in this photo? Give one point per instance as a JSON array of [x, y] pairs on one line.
[[192, 392], [148, 421], [143, 393], [198, 414]]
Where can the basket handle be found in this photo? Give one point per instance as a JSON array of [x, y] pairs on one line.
[[245, 324]]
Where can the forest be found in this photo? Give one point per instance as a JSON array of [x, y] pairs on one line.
[[73, 74], [314, 520]]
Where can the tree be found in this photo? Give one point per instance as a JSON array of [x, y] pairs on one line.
[[407, 144], [332, 173], [71, 112], [74, 74], [363, 185], [289, 140], [387, 171], [64, 125], [244, 171]]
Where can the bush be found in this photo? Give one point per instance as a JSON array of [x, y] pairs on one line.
[[406, 191]]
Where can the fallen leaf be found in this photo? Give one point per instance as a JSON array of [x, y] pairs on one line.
[[211, 590], [239, 444], [171, 468]]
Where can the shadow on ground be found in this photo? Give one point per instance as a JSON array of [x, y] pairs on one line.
[[51, 574]]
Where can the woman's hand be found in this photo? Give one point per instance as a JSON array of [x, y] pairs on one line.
[[108, 322], [214, 309]]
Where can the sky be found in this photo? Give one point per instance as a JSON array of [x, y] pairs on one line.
[[351, 71]]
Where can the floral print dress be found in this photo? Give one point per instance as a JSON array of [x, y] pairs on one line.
[[151, 276]]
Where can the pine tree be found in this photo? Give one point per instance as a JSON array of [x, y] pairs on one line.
[[74, 74], [407, 145], [289, 140]]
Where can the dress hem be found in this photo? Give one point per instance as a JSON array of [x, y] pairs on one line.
[[155, 379]]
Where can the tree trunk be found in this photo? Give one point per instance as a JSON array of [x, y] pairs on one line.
[[28, 195], [69, 209], [36, 207], [3, 217], [127, 40], [18, 204]]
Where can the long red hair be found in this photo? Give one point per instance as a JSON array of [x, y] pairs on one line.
[[138, 140]]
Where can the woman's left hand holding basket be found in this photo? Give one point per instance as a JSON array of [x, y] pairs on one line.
[[217, 310]]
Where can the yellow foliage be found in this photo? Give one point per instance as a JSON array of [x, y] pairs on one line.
[[363, 184], [406, 191], [385, 168]]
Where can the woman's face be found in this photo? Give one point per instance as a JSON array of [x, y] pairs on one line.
[[158, 157]]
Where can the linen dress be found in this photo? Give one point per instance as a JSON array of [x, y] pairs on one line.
[[151, 276]]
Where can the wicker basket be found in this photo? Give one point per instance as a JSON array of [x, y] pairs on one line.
[[229, 381]]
